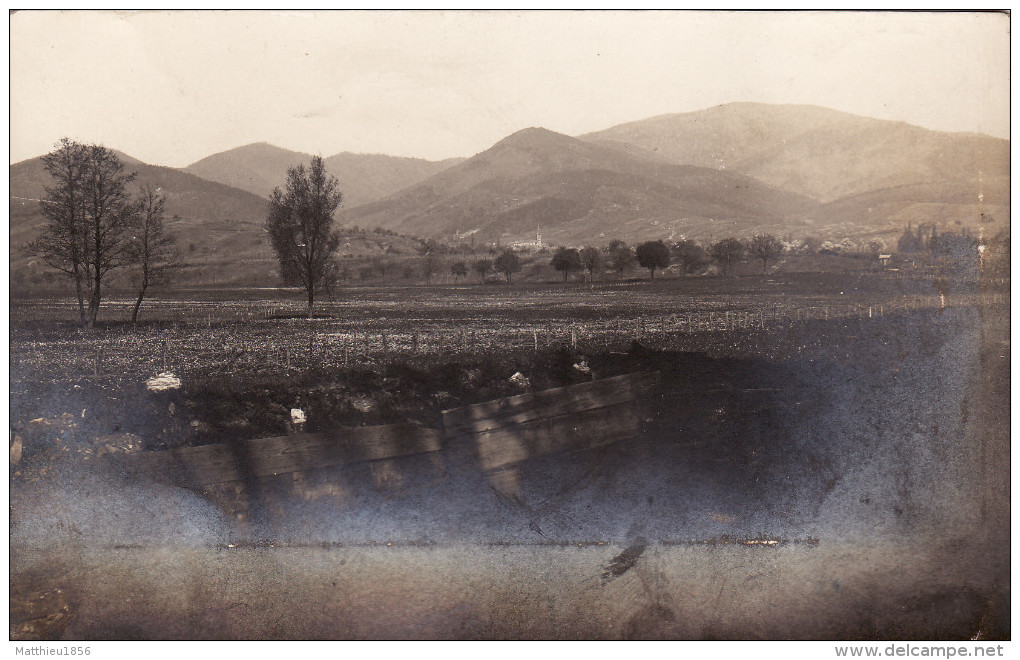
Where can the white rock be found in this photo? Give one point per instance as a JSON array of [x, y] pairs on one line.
[[362, 404], [162, 382], [520, 380], [297, 416]]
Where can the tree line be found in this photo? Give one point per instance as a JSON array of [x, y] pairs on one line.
[[687, 254]]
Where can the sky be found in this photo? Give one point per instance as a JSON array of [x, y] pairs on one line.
[[171, 87]]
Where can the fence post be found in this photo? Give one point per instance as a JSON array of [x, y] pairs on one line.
[[385, 346], [573, 337], [414, 342], [535, 332]]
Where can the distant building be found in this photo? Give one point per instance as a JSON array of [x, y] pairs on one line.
[[531, 245]]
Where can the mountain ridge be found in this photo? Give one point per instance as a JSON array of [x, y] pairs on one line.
[[571, 187], [772, 143], [260, 167]]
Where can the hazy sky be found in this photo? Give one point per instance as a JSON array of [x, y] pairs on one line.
[[173, 87]]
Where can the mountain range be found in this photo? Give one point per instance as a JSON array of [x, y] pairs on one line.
[[824, 154], [258, 168], [734, 169], [576, 191]]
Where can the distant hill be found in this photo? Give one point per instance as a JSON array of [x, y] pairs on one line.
[[947, 204], [368, 177], [214, 222], [578, 191], [258, 168], [255, 168], [847, 161]]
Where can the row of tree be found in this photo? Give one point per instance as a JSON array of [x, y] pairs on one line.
[[687, 254], [619, 257], [95, 226]]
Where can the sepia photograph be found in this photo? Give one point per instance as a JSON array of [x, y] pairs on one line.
[[510, 325]]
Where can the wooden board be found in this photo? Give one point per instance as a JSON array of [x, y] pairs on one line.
[[513, 429], [194, 467], [508, 445], [549, 403]]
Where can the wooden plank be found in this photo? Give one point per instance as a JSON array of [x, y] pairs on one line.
[[505, 446], [554, 402], [370, 443], [212, 464]]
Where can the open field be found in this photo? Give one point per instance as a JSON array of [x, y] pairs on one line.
[[873, 480], [267, 330]]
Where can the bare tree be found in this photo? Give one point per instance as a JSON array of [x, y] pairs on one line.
[[482, 267], [765, 247], [726, 253], [62, 243], [88, 213], [508, 263], [591, 260], [428, 267], [153, 248], [690, 256], [300, 227], [621, 256], [652, 255], [566, 260]]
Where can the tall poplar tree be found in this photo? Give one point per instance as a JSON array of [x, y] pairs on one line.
[[300, 227]]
